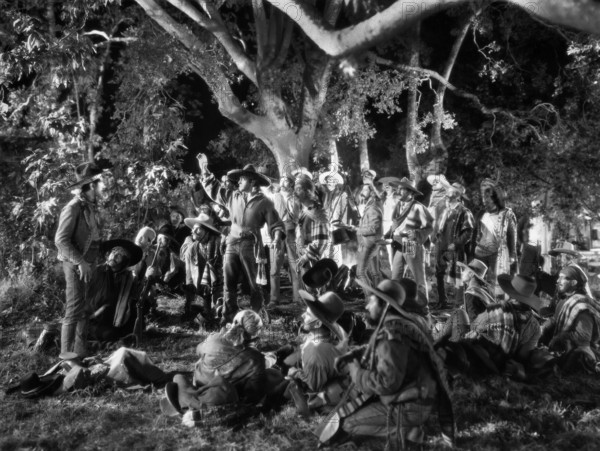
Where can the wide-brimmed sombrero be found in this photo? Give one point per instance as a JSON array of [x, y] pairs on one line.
[[87, 173], [521, 288], [249, 171], [327, 308], [204, 220]]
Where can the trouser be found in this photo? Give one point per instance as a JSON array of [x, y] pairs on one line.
[[416, 264], [75, 323], [490, 276], [240, 260], [372, 420], [276, 257], [366, 263], [292, 256]]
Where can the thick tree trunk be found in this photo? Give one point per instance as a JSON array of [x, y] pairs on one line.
[[439, 157], [412, 111]]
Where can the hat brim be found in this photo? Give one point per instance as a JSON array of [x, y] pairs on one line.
[[315, 307], [533, 301], [134, 250], [392, 181], [556, 252], [87, 180], [380, 294], [323, 178], [410, 188], [191, 222], [47, 384], [467, 267], [321, 266], [235, 174]]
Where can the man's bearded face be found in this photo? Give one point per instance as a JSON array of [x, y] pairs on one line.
[[310, 321], [331, 183], [118, 259], [200, 234], [564, 284]]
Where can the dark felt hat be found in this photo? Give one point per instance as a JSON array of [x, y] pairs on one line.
[[33, 386], [134, 250], [321, 273], [86, 173], [249, 171], [521, 288], [413, 302], [328, 308], [410, 185], [390, 291]]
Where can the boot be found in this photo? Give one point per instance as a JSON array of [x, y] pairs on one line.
[[81, 330], [67, 337]]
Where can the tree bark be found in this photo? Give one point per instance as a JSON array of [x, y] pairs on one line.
[[363, 150], [412, 111], [583, 15]]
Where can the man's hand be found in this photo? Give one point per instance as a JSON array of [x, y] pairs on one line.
[[292, 371], [202, 163], [353, 368], [277, 241], [340, 362], [85, 271], [162, 240], [452, 247], [152, 273]]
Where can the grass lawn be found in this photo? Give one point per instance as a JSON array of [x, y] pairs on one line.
[[493, 413]]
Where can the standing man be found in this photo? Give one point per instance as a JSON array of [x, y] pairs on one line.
[[249, 210], [288, 208], [453, 239], [336, 207], [78, 242], [496, 234], [412, 224], [390, 199]]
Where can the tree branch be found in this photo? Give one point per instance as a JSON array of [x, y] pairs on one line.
[[213, 23], [583, 15]]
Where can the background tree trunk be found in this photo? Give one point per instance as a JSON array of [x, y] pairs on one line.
[[411, 145]]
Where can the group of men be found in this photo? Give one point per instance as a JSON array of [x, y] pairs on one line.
[[399, 377]]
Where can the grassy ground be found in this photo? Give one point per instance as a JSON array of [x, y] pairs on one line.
[[494, 413]]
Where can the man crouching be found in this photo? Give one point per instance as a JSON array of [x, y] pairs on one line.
[[399, 380]]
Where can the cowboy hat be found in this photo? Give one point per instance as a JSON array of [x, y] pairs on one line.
[[368, 173], [86, 173], [409, 185], [301, 171], [458, 188], [320, 274], [336, 176], [328, 308], [392, 181], [390, 291], [204, 220], [520, 288], [435, 179], [478, 268], [33, 386], [249, 171], [567, 248], [135, 252]]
